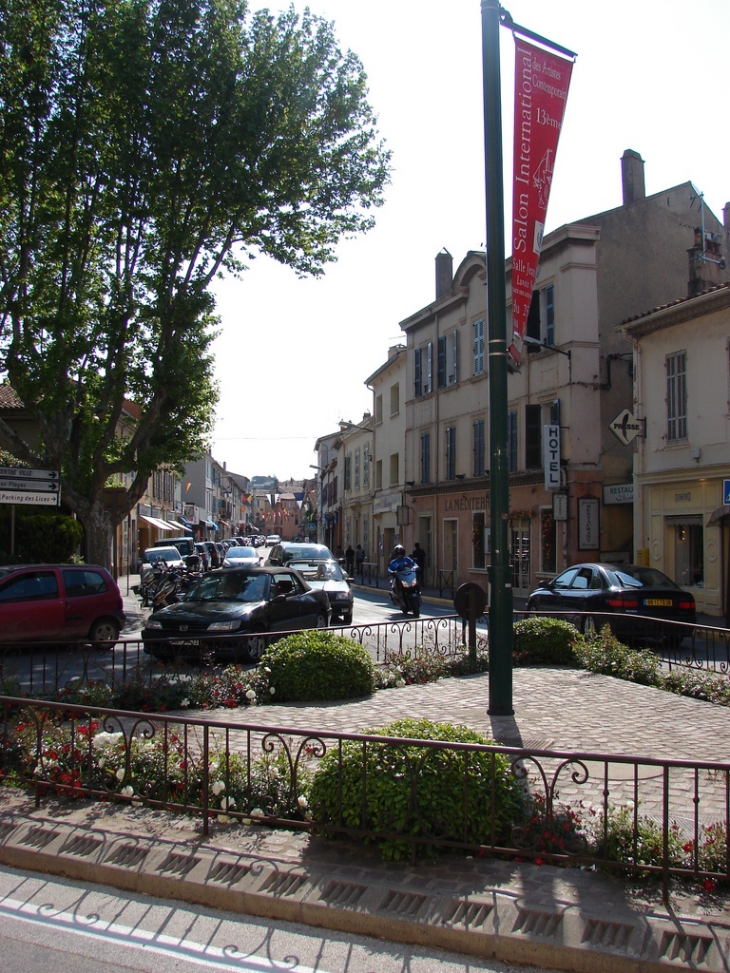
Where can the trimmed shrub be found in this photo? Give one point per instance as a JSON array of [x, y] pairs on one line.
[[605, 655], [455, 795], [542, 641], [318, 665]]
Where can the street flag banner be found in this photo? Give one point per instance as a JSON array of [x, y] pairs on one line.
[[541, 90]]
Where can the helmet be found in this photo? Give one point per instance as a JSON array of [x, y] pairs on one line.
[[399, 550]]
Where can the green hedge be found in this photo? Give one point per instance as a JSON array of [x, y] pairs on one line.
[[318, 665], [416, 791]]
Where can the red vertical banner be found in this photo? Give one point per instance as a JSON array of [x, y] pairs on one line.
[[541, 89]]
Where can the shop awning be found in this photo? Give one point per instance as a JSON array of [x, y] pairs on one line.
[[188, 524], [718, 516], [159, 524], [209, 523], [176, 523]]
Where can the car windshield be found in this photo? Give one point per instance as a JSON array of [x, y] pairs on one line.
[[229, 587], [163, 554], [238, 553], [639, 577], [318, 570]]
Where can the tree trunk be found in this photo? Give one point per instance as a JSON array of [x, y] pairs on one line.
[[99, 532]]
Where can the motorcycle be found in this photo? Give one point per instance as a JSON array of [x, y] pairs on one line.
[[404, 590]]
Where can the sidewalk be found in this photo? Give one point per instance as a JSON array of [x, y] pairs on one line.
[[514, 911]]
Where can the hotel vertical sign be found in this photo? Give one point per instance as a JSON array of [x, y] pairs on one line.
[[551, 456], [541, 89]]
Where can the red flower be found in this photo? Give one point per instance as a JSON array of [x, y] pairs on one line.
[[688, 847], [708, 885], [539, 861]]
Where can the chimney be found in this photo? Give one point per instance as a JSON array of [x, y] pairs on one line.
[[444, 273], [632, 176]]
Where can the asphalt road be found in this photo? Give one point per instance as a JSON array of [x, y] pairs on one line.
[[57, 925]]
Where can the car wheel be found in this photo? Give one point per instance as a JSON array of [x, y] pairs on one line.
[[256, 646], [104, 633], [321, 621], [589, 626]]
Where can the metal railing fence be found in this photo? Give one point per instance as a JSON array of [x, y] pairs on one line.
[[573, 807]]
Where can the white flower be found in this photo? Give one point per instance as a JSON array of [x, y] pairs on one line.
[[250, 694], [401, 683], [127, 791], [257, 813], [302, 801], [102, 762], [104, 739], [266, 669], [227, 803], [184, 703], [272, 690], [218, 787], [224, 819], [120, 774]]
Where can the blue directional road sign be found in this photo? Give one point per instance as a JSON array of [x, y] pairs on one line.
[[726, 491]]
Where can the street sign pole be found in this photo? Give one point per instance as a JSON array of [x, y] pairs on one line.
[[500, 608]]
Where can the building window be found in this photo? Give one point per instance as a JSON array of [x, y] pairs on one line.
[[379, 474], [478, 329], [395, 399], [348, 464], [366, 466], [448, 359], [677, 396], [479, 541], [357, 469], [451, 452], [533, 437], [550, 315], [479, 447], [512, 442], [394, 472], [426, 457], [379, 408], [547, 541], [424, 369]]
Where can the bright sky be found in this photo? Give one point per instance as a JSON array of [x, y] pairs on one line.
[[651, 75]]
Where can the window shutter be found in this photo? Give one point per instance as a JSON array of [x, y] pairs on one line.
[[418, 371]]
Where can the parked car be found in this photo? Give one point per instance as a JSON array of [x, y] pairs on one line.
[[289, 551], [330, 578], [170, 555], [204, 554], [45, 602], [641, 597], [223, 606], [216, 552], [237, 557], [186, 545], [272, 539]]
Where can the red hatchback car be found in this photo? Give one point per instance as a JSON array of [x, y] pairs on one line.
[[70, 602]]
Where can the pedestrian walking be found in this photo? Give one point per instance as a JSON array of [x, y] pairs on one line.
[[360, 559], [419, 556], [350, 559]]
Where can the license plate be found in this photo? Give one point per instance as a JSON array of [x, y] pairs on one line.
[[191, 642], [659, 602]]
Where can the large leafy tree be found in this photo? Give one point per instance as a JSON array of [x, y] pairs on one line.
[[145, 147]]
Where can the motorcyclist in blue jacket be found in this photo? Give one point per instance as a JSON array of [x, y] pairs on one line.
[[400, 560]]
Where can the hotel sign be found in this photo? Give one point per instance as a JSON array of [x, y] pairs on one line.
[[551, 456]]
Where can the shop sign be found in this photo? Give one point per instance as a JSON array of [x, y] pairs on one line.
[[560, 506], [588, 524], [618, 493], [386, 504]]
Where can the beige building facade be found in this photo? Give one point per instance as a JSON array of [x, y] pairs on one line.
[[682, 462]]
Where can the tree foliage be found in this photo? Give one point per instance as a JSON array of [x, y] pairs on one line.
[[147, 146]]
